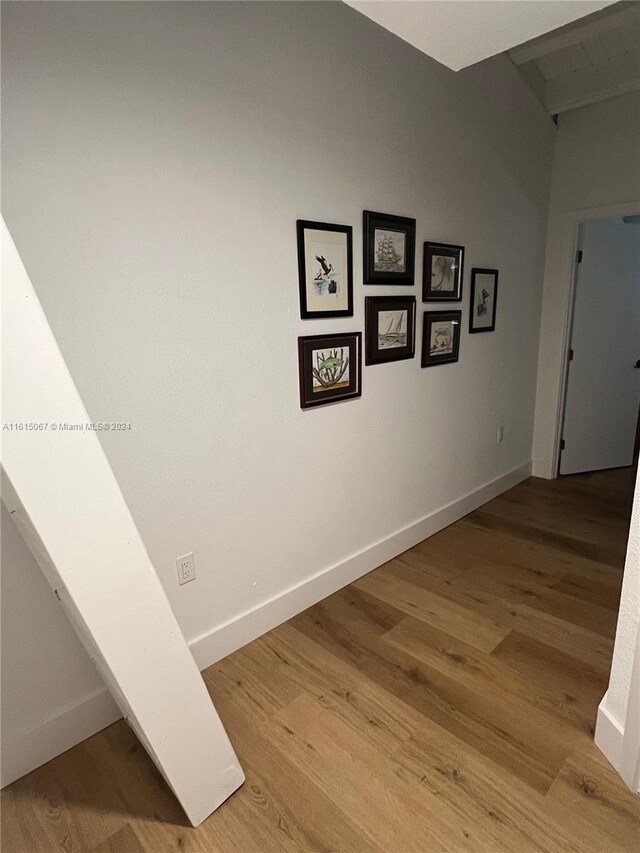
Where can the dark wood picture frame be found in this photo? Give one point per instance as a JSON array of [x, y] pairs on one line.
[[398, 251], [437, 254], [454, 318], [326, 267], [479, 301], [329, 351], [388, 345]]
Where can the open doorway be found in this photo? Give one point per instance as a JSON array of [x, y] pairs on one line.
[[602, 388]]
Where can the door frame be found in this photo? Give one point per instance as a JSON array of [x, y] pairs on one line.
[[569, 237]]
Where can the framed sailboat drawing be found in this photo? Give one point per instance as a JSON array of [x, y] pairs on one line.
[[390, 327], [389, 245], [325, 264]]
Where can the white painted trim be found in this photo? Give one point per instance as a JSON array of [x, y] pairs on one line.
[[38, 744], [609, 734], [240, 630], [573, 33], [540, 468], [69, 726], [629, 767]]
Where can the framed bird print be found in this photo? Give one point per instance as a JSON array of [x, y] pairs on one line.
[[325, 264], [484, 294]]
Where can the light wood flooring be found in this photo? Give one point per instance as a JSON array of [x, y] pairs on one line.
[[444, 702]]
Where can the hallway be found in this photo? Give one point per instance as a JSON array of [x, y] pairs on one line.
[[444, 702]]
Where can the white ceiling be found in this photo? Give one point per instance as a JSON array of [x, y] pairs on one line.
[[586, 61], [461, 33]]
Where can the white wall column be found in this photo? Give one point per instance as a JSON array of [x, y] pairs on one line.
[[63, 496], [618, 725]]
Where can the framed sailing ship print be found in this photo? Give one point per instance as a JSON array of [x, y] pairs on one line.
[[325, 264], [329, 367], [390, 328], [389, 245], [484, 293], [442, 272], [440, 337]]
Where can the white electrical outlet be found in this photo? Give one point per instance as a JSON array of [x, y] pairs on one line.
[[186, 569], [500, 434]]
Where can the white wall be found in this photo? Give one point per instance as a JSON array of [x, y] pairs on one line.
[[155, 159], [618, 725], [596, 174], [52, 695]]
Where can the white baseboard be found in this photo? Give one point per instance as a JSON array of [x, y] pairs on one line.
[[609, 734], [71, 725], [35, 746], [240, 630]]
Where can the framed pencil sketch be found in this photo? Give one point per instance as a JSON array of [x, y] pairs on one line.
[[330, 368], [325, 264], [442, 272], [390, 328], [389, 249], [440, 337], [484, 295]]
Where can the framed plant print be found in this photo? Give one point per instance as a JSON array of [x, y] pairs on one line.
[[389, 244], [440, 337], [330, 368], [390, 328], [442, 272], [325, 264], [484, 295]]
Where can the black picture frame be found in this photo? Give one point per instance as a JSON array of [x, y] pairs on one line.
[[484, 300], [450, 353], [397, 235], [334, 273], [394, 344], [435, 275], [313, 350]]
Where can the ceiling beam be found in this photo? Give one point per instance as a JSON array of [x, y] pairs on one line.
[[576, 33], [592, 84]]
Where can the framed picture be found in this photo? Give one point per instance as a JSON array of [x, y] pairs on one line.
[[325, 263], [442, 272], [440, 337], [484, 294], [390, 328], [389, 244], [330, 368]]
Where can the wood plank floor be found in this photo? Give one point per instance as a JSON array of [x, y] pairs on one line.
[[444, 702]]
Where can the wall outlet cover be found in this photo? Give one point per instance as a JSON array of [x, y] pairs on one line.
[[186, 569]]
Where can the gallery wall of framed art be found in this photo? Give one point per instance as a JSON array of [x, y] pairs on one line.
[[330, 364]]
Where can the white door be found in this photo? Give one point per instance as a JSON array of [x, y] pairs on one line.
[[603, 384]]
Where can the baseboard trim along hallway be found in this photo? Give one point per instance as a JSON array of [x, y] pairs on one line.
[[71, 725]]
